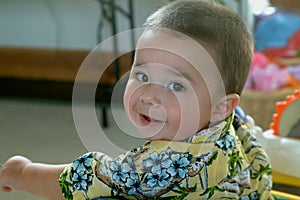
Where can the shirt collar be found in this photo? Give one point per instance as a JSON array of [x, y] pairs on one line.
[[211, 134]]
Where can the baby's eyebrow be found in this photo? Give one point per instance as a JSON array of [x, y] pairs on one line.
[[138, 64], [185, 75]]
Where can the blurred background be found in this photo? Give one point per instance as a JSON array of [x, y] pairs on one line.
[[43, 43]]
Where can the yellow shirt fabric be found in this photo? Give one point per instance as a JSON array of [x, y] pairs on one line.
[[222, 162]]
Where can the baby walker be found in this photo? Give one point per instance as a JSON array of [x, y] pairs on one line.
[[282, 144]]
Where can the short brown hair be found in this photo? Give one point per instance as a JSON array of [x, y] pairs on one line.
[[218, 26]]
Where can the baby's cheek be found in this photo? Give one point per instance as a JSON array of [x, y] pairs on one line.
[[130, 94], [191, 115], [174, 113]]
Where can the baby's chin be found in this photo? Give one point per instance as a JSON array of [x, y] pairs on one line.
[[162, 136], [150, 136], [149, 132]]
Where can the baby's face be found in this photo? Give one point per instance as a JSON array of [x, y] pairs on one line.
[[166, 97]]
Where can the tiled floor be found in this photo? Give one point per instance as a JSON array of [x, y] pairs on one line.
[[45, 132]]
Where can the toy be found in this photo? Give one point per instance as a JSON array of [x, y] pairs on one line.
[[282, 149], [287, 116], [265, 75]]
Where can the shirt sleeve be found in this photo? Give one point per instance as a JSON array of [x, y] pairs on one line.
[[143, 172], [78, 180], [97, 175]]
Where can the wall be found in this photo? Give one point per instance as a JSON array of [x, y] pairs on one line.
[[64, 23], [60, 23]]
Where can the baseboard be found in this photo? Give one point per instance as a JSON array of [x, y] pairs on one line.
[[54, 90], [50, 73], [56, 64]]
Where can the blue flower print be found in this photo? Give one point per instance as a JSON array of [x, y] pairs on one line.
[[179, 166], [160, 169], [252, 196], [81, 181], [159, 178], [81, 172], [155, 169], [226, 142], [133, 184], [153, 161], [121, 171], [83, 163], [156, 162]]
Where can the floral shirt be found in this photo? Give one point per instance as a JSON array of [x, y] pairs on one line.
[[222, 162]]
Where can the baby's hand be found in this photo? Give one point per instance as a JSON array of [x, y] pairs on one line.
[[10, 174]]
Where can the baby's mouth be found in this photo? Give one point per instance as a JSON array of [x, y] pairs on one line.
[[146, 120]]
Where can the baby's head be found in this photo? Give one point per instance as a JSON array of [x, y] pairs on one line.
[[190, 67]]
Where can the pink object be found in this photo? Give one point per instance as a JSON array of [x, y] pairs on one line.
[[269, 78], [266, 76], [259, 60]]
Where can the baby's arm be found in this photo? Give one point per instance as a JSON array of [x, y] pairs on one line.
[[19, 173]]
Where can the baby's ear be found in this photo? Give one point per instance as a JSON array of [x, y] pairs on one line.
[[224, 107]]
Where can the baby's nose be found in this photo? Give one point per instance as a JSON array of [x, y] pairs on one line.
[[152, 94]]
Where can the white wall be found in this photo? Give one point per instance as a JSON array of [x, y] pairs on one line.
[[62, 23]]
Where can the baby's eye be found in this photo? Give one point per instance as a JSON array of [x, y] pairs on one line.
[[141, 77], [177, 87]]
